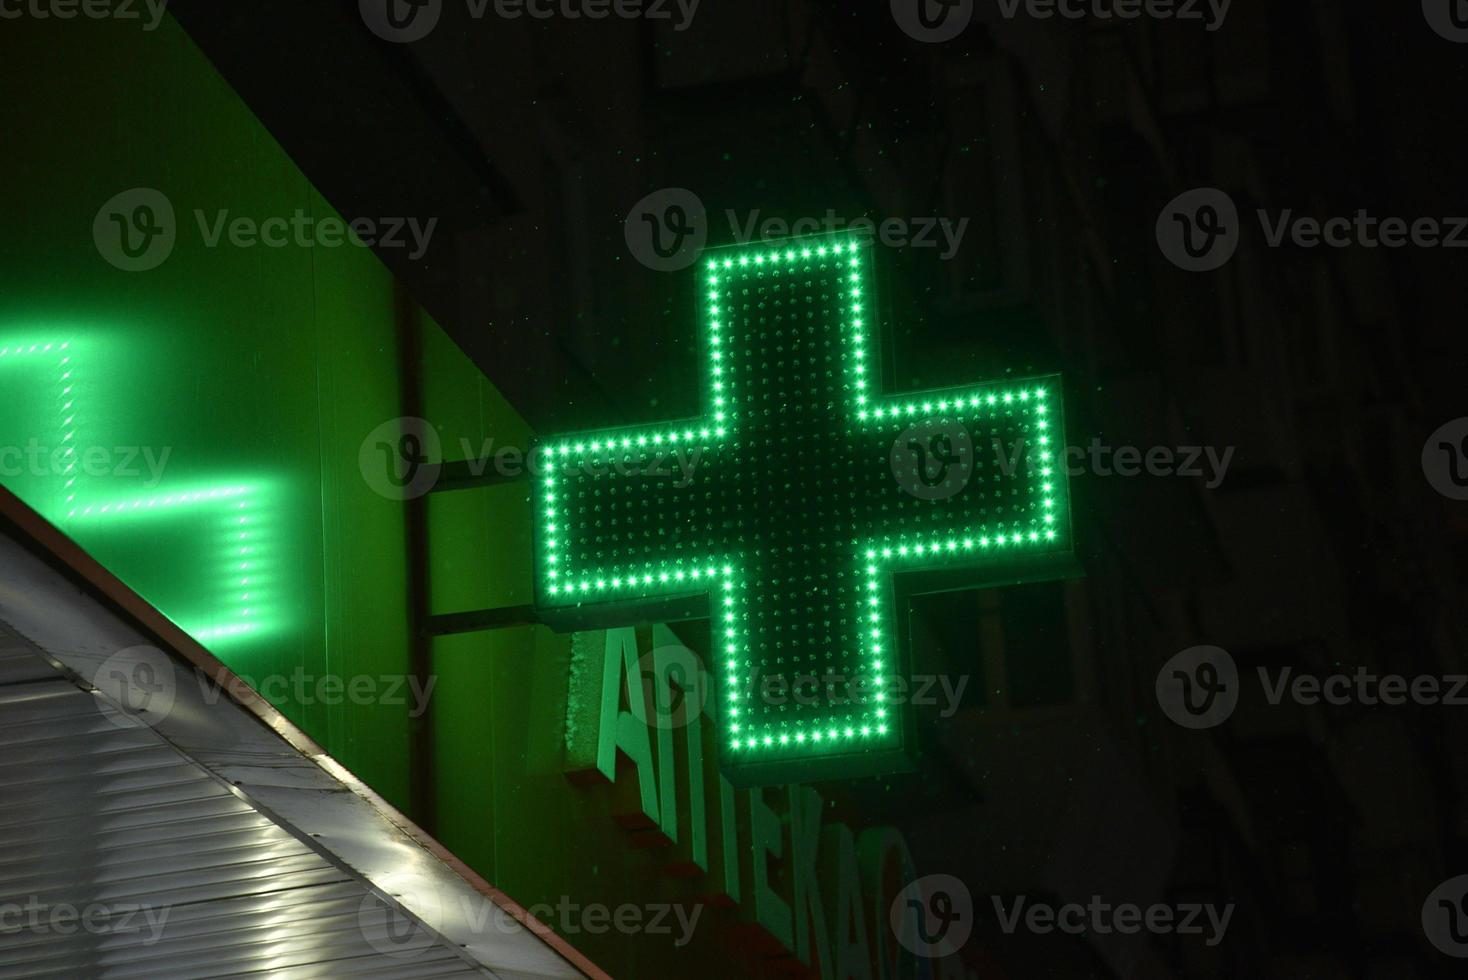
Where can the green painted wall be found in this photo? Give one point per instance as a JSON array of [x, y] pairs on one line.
[[255, 369]]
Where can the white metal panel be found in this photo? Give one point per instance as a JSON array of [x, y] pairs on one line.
[[202, 843]]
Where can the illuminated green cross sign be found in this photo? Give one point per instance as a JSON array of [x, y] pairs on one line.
[[789, 505]]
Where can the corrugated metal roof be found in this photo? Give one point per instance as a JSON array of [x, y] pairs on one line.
[[179, 837]]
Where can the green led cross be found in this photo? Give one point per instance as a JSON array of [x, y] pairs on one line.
[[784, 505]]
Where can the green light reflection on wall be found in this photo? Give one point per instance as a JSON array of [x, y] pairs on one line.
[[228, 521]]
